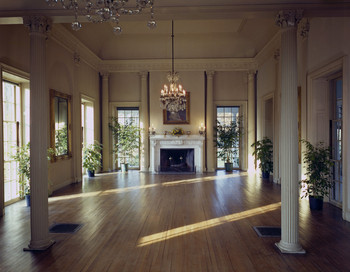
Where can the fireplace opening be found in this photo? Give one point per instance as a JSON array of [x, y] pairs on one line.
[[177, 160]]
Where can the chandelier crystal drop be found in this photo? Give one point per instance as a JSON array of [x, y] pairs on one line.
[[173, 96], [99, 11]]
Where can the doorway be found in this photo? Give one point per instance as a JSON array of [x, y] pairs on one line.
[[87, 122]]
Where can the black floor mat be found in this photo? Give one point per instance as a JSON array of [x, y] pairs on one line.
[[65, 228], [264, 231]]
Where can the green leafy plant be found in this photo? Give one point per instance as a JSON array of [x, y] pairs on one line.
[[61, 141], [264, 153], [227, 139], [318, 170], [126, 139], [92, 156], [22, 157]]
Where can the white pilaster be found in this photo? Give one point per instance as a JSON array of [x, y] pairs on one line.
[[144, 123], [105, 120], [277, 120], [39, 111], [77, 143], [289, 243], [2, 186], [251, 121], [210, 122]]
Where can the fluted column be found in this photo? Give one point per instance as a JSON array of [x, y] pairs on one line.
[[144, 123], [289, 243], [39, 111], [105, 121], [277, 121], [251, 120], [210, 122]]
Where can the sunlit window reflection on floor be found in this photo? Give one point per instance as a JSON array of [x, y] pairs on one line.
[[147, 186], [172, 233]]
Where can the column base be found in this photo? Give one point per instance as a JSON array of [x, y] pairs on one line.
[[286, 248], [46, 246]]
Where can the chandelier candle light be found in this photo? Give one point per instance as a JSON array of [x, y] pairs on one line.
[[99, 11], [173, 97]]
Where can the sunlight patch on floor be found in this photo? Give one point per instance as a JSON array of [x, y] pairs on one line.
[[172, 233]]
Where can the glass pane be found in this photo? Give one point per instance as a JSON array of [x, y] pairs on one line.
[[8, 92]]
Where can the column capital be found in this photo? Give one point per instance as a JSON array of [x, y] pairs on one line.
[[304, 28], [104, 74], [143, 74], [288, 18], [38, 24], [210, 73], [251, 72]]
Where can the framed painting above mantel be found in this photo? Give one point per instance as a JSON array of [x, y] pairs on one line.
[[180, 117]]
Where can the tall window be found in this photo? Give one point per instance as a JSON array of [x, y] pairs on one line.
[[11, 121], [130, 115], [225, 115], [336, 139], [87, 123]]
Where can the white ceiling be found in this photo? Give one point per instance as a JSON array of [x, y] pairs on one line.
[[202, 28]]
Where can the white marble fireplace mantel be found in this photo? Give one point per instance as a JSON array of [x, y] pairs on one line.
[[158, 142]]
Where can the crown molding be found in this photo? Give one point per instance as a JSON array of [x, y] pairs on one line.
[[224, 64], [269, 49], [63, 37]]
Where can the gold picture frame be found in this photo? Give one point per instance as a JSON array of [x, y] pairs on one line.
[[180, 117]]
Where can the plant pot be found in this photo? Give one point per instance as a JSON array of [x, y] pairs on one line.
[[27, 197], [316, 203], [91, 174], [265, 175], [228, 166], [124, 167]]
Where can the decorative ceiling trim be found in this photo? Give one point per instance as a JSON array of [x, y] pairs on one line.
[[225, 64], [269, 49], [62, 36]]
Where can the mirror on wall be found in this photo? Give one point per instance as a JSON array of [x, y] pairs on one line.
[[60, 124]]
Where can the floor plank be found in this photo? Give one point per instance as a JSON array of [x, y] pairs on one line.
[[144, 222]]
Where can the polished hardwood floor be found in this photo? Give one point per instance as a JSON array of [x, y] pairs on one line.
[[144, 222]]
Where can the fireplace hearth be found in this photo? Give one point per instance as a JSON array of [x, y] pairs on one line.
[[177, 160], [192, 161]]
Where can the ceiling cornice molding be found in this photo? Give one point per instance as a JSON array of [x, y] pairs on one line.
[[269, 49], [62, 36], [225, 64]]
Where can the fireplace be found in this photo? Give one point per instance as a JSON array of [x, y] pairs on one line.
[[177, 160], [193, 144]]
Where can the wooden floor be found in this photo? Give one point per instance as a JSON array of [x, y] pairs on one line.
[[144, 222]]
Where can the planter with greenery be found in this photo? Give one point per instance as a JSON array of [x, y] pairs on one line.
[[264, 153], [318, 171], [92, 157], [126, 141], [22, 157], [227, 138]]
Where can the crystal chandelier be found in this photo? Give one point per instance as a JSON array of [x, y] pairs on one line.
[[98, 11], [173, 97]]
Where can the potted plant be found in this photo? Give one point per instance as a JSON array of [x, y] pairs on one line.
[[92, 157], [227, 138], [264, 153], [22, 157], [126, 141], [318, 172]]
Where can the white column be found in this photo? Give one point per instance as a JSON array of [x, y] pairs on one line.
[[2, 186], [39, 112], [210, 122], [105, 121], [144, 123], [289, 243], [251, 121]]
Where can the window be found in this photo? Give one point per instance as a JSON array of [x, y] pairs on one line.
[[130, 115], [225, 115], [336, 139]]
